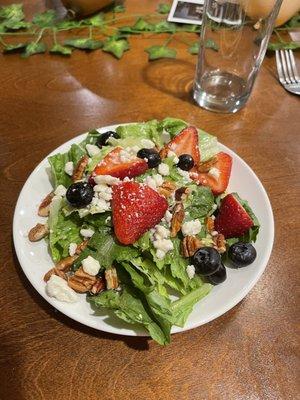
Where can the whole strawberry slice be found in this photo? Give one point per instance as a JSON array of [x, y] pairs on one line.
[[186, 142], [135, 209], [232, 220], [115, 165], [218, 182]]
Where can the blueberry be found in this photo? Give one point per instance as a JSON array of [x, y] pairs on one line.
[[80, 194], [206, 261], [103, 138], [152, 156], [186, 162], [241, 254], [219, 276]]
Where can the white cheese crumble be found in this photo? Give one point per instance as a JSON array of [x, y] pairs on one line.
[[173, 155], [159, 237], [128, 154], [106, 179], [154, 181], [163, 244], [92, 149], [214, 233], [60, 191], [190, 270], [91, 266], [165, 136], [69, 168], [168, 216], [98, 205], [103, 191], [163, 169], [72, 249], [184, 174], [147, 144], [87, 233], [161, 232], [214, 172], [58, 288], [191, 228]]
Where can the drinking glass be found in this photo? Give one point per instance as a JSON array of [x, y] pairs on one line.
[[233, 42]]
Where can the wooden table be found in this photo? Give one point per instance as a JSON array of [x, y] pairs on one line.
[[248, 353]]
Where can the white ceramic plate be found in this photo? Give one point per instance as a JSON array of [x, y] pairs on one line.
[[35, 260]]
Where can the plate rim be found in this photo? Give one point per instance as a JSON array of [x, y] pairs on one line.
[[136, 332]]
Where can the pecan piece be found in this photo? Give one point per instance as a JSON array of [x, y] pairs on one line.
[[81, 246], [206, 166], [164, 152], [44, 207], [54, 271], [38, 232], [98, 286], [112, 281], [190, 245], [79, 169], [210, 224], [177, 219], [81, 282], [182, 193], [65, 263], [219, 243], [167, 188]]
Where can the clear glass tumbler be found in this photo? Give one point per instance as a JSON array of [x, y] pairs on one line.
[[233, 42]]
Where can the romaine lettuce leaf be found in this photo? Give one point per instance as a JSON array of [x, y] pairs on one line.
[[142, 130], [58, 175], [199, 203], [173, 125], [208, 145]]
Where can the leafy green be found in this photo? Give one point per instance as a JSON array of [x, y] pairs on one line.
[[208, 145], [59, 49], [14, 48], [13, 24], [173, 125], [84, 43], [34, 48], [294, 22], [209, 44], [67, 24], [45, 19], [283, 46], [96, 20], [165, 27], [156, 52], [199, 202], [13, 12], [116, 46], [142, 25], [120, 8], [163, 8], [57, 163], [143, 130]]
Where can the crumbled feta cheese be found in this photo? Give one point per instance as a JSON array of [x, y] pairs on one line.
[[163, 169], [190, 270], [60, 191], [99, 205], [125, 156], [90, 265], [69, 168], [173, 155], [168, 216], [165, 136], [158, 179], [214, 172], [160, 254], [58, 288], [214, 207], [106, 179], [191, 228], [161, 232], [150, 182], [147, 144], [214, 233], [87, 233], [184, 174], [92, 149], [163, 244], [72, 249], [133, 150], [103, 192]]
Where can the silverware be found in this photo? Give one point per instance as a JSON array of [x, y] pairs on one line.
[[287, 71]]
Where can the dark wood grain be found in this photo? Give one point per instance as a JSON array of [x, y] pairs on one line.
[[249, 353]]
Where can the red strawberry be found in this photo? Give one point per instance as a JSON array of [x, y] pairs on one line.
[[114, 166], [232, 220], [135, 208], [217, 185], [186, 142]]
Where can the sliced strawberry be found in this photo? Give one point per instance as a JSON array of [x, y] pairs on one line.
[[186, 142], [219, 182], [113, 165], [135, 208], [232, 220]]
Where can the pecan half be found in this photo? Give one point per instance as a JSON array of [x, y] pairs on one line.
[[210, 224], [190, 245], [44, 207], [164, 152], [79, 169], [81, 282], [167, 188], [54, 271], [206, 166], [112, 281], [177, 219], [38, 232], [65, 263], [182, 193], [98, 286], [219, 243], [81, 246]]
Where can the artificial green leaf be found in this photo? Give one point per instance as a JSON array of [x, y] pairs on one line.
[[156, 52], [13, 11], [119, 8], [14, 48], [116, 46], [283, 46], [68, 24], [142, 25], [294, 22], [84, 43], [165, 26], [45, 19], [188, 28], [194, 48], [34, 48], [59, 49], [13, 24], [95, 20], [209, 44], [163, 8]]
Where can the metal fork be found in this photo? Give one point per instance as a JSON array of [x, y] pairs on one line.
[[287, 71]]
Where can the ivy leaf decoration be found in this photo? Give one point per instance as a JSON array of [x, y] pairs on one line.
[[68, 25], [189, 28], [34, 48], [157, 52], [45, 19], [96, 20], [116, 46], [14, 11], [163, 8], [209, 44], [294, 22], [13, 24], [14, 48], [165, 26], [194, 48], [283, 46], [84, 43], [119, 8], [143, 26], [62, 50]]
